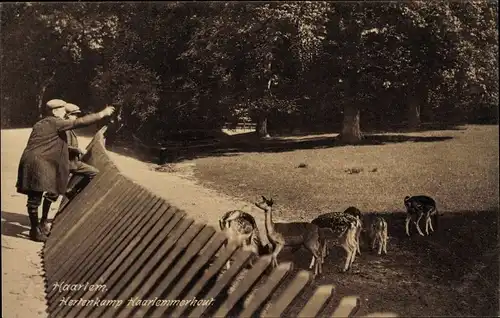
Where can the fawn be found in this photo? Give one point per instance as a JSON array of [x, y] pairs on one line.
[[377, 232]]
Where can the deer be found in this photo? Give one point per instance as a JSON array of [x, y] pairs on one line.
[[421, 206], [293, 234], [241, 229], [356, 213], [377, 232], [343, 231], [350, 211]]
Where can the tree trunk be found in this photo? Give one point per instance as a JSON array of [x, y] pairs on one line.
[[428, 112], [413, 113], [385, 115], [41, 94], [261, 128], [351, 131], [40, 101]]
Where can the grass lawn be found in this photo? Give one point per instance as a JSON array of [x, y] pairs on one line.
[[449, 273]]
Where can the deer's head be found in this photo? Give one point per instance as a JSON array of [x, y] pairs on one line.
[[265, 204], [407, 202]]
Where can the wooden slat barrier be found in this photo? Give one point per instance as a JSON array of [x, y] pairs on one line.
[[117, 250]]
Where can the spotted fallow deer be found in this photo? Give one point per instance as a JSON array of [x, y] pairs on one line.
[[343, 231], [241, 229]]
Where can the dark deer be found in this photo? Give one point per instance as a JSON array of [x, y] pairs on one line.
[[421, 206]]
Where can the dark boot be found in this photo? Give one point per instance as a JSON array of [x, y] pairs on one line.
[[35, 231], [44, 222]]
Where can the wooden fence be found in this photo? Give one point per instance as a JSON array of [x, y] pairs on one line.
[[117, 250]]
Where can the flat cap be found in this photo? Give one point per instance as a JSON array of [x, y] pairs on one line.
[[56, 103], [72, 109]]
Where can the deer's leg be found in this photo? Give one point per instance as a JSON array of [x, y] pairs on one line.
[[317, 269], [323, 252], [380, 243], [350, 255], [431, 213], [313, 244], [347, 260], [274, 262], [312, 262], [358, 233], [225, 246], [277, 250], [417, 223], [319, 263], [427, 223], [385, 244], [353, 257], [408, 218]]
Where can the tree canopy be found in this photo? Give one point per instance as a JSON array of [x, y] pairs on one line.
[[181, 65]]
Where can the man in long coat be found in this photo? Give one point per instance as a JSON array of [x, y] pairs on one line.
[[44, 164], [76, 166]]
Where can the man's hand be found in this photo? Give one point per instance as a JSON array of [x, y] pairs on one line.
[[76, 152], [108, 111]]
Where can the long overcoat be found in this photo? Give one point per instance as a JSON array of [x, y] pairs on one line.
[[74, 151], [44, 164]]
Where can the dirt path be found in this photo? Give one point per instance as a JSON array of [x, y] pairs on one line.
[[22, 281]]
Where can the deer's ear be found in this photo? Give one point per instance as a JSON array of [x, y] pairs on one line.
[[271, 202], [264, 198]]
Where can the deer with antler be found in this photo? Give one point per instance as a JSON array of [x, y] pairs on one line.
[[293, 234]]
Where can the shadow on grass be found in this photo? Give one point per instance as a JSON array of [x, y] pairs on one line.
[[462, 253], [459, 236], [394, 128], [236, 144]]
